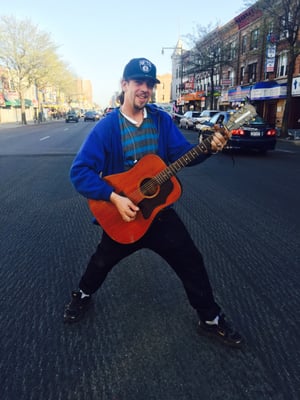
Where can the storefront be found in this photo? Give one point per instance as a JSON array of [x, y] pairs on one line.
[[238, 95], [193, 101], [294, 123], [269, 99]]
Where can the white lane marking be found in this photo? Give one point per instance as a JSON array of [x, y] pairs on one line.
[[44, 138]]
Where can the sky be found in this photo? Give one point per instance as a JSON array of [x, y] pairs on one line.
[[97, 39]]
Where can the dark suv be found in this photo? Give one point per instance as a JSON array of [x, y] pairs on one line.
[[72, 117]]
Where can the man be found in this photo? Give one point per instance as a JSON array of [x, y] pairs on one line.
[[116, 144]]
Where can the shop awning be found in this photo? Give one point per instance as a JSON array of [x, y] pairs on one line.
[[192, 96], [265, 85], [10, 103], [17, 103], [28, 103], [268, 90]]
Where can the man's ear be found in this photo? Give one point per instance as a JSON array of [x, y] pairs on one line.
[[124, 84]]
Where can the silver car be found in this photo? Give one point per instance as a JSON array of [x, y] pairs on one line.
[[189, 120]]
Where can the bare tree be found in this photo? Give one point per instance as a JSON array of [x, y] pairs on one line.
[[211, 51]]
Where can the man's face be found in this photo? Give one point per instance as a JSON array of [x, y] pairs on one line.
[[137, 93]]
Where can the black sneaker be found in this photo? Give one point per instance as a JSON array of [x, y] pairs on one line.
[[221, 331], [76, 309]]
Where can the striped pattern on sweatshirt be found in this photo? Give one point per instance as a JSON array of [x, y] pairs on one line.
[[137, 141]]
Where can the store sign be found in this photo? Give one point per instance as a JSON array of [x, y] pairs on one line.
[[239, 94], [226, 82], [296, 86], [270, 57], [265, 93]]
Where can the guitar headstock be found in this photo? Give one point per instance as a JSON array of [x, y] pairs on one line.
[[240, 117]]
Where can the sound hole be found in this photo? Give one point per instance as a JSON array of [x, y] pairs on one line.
[[149, 187]]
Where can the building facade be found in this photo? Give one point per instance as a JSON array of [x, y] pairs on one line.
[[163, 90], [255, 70]]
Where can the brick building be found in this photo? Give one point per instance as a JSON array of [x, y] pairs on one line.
[[254, 66]]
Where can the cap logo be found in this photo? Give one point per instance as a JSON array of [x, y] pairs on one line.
[[145, 66]]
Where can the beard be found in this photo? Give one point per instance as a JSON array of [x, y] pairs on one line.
[[138, 107], [140, 102]]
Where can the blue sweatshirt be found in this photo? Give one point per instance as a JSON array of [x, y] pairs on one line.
[[101, 154]]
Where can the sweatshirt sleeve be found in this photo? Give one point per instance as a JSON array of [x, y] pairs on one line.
[[88, 165]]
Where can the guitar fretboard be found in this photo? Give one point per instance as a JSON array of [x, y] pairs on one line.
[[183, 161]]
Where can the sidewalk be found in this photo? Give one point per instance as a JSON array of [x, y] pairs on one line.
[[8, 125]]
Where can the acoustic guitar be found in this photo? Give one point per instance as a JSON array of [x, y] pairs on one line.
[[152, 186]]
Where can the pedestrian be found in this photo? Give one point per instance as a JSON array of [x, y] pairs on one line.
[[115, 145]]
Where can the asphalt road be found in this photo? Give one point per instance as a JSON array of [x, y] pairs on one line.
[[139, 341]]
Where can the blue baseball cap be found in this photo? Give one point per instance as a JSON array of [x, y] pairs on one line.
[[140, 68]]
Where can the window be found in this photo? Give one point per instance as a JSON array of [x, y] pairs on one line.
[[254, 39], [284, 26], [282, 64], [244, 44], [242, 74], [232, 51], [252, 71]]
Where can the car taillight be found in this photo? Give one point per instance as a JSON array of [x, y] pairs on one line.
[[238, 132], [271, 132]]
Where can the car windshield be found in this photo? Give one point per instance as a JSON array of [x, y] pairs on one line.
[[220, 117], [216, 117], [195, 114], [257, 120], [208, 113]]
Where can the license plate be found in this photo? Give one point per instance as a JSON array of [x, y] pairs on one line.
[[255, 134]]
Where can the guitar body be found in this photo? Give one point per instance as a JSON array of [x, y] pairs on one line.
[[139, 185]]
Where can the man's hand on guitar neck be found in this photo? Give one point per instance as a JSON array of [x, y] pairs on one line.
[[218, 141], [127, 209]]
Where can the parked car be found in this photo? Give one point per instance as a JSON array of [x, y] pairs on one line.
[[72, 116], [256, 134], [189, 119], [220, 117], [176, 117], [108, 110], [91, 116], [206, 115]]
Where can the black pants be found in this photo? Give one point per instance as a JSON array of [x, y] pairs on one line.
[[169, 238]]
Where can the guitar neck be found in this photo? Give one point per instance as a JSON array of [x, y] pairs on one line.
[[183, 161]]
